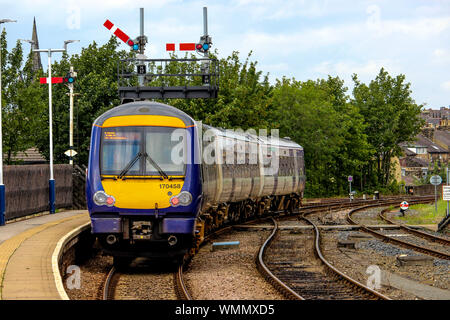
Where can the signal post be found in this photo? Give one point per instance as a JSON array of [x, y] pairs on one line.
[[49, 81]]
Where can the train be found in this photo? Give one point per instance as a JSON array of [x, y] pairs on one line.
[[158, 181]]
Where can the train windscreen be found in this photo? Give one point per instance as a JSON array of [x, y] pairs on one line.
[[143, 151]]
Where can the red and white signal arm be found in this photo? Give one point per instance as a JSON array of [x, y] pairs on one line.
[[404, 205]]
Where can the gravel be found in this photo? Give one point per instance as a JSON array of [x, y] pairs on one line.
[[93, 275], [368, 216], [376, 252], [384, 249], [231, 273], [145, 280]]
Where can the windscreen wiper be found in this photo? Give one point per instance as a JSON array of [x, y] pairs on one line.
[[130, 165], [154, 164]]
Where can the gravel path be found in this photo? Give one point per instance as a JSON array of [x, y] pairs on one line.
[[231, 273]]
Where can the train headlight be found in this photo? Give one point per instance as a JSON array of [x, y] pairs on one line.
[[184, 198], [101, 198]]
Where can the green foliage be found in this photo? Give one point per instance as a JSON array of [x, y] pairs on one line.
[[317, 115], [21, 102], [391, 117], [424, 213], [243, 100], [96, 84]]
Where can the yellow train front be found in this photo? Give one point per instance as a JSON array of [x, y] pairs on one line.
[[158, 181], [143, 186]]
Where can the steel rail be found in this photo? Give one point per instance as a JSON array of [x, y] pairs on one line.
[[266, 273], [107, 287], [416, 232], [181, 288], [340, 274], [405, 244]]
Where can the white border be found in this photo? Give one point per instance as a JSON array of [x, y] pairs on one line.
[[57, 255]]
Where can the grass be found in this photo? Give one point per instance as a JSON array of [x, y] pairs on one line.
[[424, 213]]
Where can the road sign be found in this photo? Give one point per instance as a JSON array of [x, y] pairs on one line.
[[350, 178], [404, 205], [70, 153], [436, 180], [446, 193]]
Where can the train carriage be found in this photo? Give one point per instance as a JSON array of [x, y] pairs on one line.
[[158, 180]]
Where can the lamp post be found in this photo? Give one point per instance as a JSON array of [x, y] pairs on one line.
[[50, 120], [29, 41], [2, 186], [71, 95]]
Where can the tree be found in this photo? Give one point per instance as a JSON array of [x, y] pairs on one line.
[[391, 116], [21, 102], [316, 114], [96, 84]]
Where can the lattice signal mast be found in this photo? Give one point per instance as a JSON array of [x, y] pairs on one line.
[[140, 84]]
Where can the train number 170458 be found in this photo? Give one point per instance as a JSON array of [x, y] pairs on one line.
[[170, 186]]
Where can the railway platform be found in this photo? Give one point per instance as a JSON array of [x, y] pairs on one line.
[[27, 255]]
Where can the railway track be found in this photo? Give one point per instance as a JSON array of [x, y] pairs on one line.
[[180, 287], [419, 233], [112, 280], [109, 285], [306, 277], [387, 238], [182, 291]]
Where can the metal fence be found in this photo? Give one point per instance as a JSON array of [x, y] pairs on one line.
[[27, 188], [425, 190]]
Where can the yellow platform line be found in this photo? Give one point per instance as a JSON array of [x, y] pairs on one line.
[[8, 247]]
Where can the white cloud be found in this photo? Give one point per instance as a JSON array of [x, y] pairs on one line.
[[441, 56], [297, 38], [369, 68], [446, 86]]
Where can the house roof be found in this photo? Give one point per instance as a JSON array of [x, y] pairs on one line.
[[443, 136], [415, 162], [422, 141], [408, 152]]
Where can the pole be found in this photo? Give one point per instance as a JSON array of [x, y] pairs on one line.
[[50, 120], [142, 21], [205, 64], [205, 21], [435, 199], [51, 182], [71, 119], [448, 207], [350, 187], [2, 186]]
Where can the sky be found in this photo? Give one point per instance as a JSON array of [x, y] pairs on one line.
[[305, 39]]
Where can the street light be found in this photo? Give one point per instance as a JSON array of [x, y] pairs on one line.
[[29, 41], [69, 41], [2, 186], [50, 119]]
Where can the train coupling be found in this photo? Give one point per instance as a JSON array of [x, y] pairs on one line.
[[141, 230]]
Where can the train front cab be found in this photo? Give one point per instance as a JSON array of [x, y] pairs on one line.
[[141, 201]]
